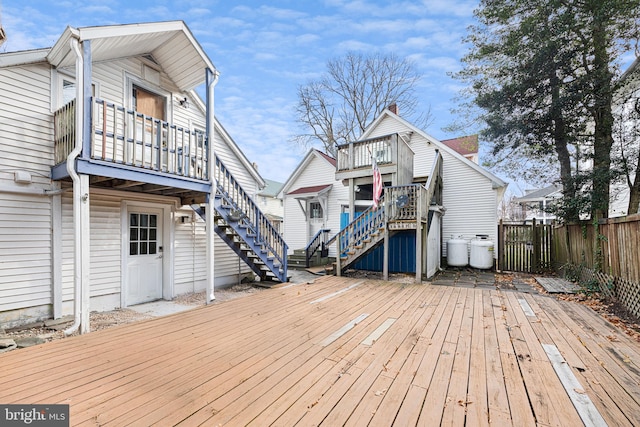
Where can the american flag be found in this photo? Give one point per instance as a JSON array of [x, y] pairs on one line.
[[377, 182]]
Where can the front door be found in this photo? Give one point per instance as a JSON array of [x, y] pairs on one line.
[[316, 218], [144, 258]]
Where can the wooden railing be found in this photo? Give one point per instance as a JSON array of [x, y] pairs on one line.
[[130, 138], [265, 232], [407, 202], [319, 241], [358, 154], [64, 131], [358, 232]]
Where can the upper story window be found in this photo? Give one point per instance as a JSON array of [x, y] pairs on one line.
[[149, 103], [68, 90]]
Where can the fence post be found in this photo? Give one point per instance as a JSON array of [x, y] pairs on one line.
[[535, 236], [500, 245]]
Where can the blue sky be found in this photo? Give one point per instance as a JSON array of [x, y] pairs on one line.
[[264, 50]]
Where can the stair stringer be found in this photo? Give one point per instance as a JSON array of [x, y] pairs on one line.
[[244, 228]]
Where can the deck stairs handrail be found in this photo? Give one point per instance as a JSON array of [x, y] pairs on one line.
[[361, 235], [403, 205], [246, 230], [318, 241]]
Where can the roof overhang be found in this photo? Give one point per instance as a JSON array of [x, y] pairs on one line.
[[310, 193], [11, 59], [171, 44]]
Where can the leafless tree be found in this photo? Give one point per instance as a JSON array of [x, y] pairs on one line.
[[355, 89]]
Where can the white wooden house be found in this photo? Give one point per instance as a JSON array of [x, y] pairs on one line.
[[313, 202], [107, 176], [432, 192]]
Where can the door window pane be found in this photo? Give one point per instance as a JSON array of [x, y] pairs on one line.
[[315, 211], [143, 234]]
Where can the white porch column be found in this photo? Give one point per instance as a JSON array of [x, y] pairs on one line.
[[56, 252], [211, 80], [85, 251]]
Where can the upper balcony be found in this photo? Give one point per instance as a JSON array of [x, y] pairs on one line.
[[391, 153], [132, 151]]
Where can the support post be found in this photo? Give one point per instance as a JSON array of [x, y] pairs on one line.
[[421, 194], [85, 253], [56, 252], [338, 261], [352, 198], [85, 220], [211, 80]]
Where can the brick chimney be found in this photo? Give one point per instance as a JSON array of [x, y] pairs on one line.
[[393, 108]]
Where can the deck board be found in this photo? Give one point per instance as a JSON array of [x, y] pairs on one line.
[[455, 356]]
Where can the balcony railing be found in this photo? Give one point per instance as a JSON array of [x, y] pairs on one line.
[[127, 137], [359, 154], [392, 154]]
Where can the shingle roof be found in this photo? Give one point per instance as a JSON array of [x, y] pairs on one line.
[[271, 189], [328, 157], [309, 190], [463, 145]]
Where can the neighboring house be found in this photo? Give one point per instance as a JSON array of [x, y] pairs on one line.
[[536, 203], [313, 201], [461, 198], [270, 203], [626, 135], [465, 145], [106, 177], [627, 144]]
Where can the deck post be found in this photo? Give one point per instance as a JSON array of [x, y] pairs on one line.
[[81, 190], [385, 264], [338, 254], [211, 80], [421, 195]]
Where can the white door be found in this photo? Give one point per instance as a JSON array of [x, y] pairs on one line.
[[316, 218], [144, 258]]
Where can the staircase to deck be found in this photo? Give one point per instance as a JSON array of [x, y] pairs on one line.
[[402, 207], [245, 229], [361, 236]]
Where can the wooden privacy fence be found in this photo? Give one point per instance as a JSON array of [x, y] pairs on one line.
[[525, 248], [605, 254]]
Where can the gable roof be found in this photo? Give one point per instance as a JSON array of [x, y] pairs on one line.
[[464, 145], [328, 158], [311, 154], [271, 189], [496, 181], [240, 154], [170, 43], [550, 192]]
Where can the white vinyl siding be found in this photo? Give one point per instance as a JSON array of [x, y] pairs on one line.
[[468, 196], [315, 171], [26, 144], [190, 270], [26, 124], [25, 221], [25, 250], [105, 225]]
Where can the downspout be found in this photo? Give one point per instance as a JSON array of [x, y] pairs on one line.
[[77, 197], [211, 81]]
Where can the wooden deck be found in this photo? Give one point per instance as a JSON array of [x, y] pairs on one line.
[[344, 352]]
